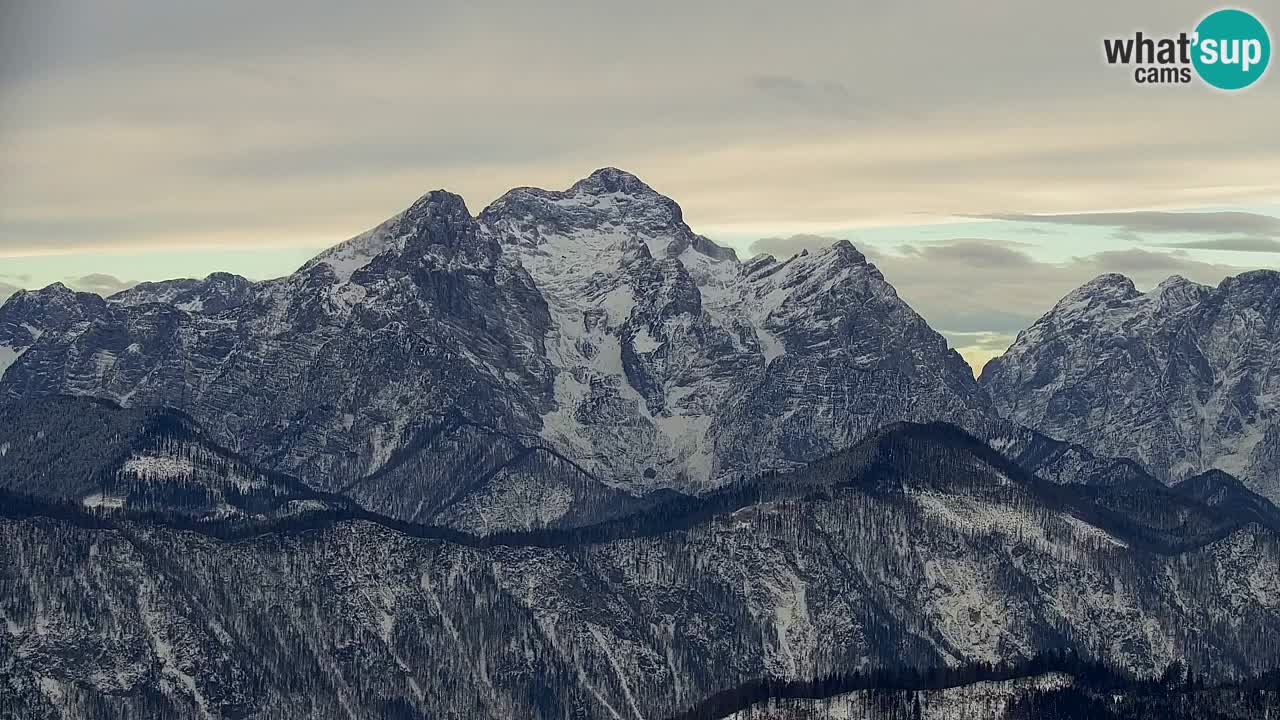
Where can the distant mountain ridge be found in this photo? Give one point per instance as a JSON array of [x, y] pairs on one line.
[[120, 464], [1182, 379]]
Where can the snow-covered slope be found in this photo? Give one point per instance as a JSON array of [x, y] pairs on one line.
[[1182, 379], [677, 365]]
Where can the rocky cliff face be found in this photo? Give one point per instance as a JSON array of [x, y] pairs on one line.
[[590, 328], [679, 366], [1182, 379]]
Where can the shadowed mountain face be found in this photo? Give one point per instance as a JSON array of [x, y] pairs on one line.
[[1183, 379], [591, 326]]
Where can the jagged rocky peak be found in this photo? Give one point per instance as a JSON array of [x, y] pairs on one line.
[[608, 208], [29, 315], [763, 262], [217, 291], [1105, 290], [55, 303], [1254, 286], [841, 253], [712, 250], [1112, 291], [438, 224], [53, 293], [438, 209], [1176, 293], [1181, 379], [226, 281], [1108, 302], [609, 180], [1175, 283], [592, 321], [847, 252]]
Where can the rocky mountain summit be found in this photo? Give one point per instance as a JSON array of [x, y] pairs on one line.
[[674, 358], [591, 326], [1182, 379]]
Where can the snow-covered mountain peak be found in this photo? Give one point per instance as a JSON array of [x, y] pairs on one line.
[[1182, 379], [847, 252], [215, 292], [57, 299], [438, 207], [54, 288], [1105, 290], [608, 210], [1111, 302], [1176, 293], [1175, 282], [611, 180], [54, 293], [436, 224], [841, 253], [1255, 283]]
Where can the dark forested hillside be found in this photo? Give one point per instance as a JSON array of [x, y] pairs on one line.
[[921, 548], [96, 454], [1055, 685]]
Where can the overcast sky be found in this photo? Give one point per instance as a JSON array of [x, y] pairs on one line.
[[141, 139]]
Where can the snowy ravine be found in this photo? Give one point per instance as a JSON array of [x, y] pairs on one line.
[[588, 329], [1182, 379], [677, 365]]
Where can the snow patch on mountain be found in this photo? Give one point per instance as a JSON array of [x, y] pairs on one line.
[[103, 500], [354, 254], [8, 356], [153, 467]]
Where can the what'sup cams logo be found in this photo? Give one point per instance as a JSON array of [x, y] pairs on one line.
[[1229, 50]]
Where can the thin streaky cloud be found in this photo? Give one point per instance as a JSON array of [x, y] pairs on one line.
[[1246, 224], [1238, 244]]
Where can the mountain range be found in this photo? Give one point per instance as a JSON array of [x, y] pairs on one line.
[[567, 458], [1182, 379]]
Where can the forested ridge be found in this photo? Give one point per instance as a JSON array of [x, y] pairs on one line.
[[902, 458], [920, 548], [1090, 689]]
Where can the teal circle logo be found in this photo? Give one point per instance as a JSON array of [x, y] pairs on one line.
[[1232, 49]]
